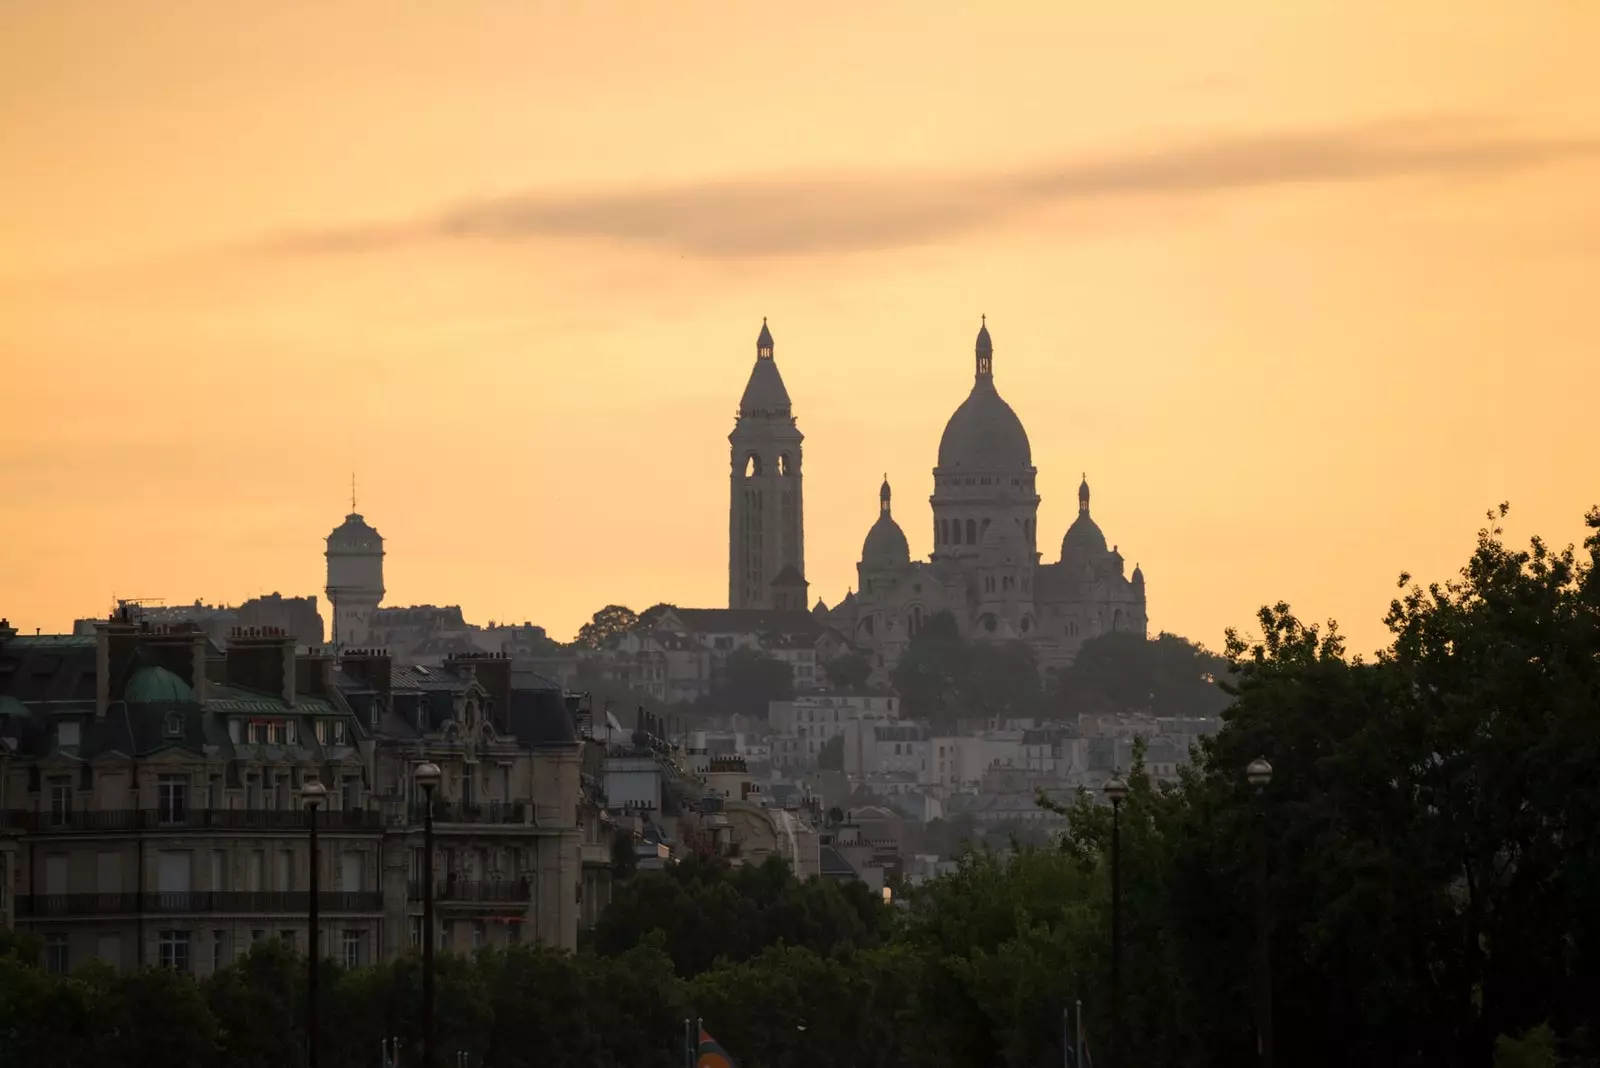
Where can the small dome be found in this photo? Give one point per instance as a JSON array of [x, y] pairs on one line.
[[1083, 536], [157, 686], [886, 544]]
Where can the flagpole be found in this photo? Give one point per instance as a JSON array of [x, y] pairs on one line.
[[1066, 1037], [688, 1045]]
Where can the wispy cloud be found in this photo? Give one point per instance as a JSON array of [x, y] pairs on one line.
[[775, 216]]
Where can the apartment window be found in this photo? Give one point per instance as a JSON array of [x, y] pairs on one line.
[[352, 949], [60, 800], [252, 791], [285, 870], [256, 936], [219, 950], [416, 931], [55, 954], [219, 869], [480, 934], [255, 732], [350, 793], [277, 732], [172, 950], [287, 938], [69, 734], [172, 798], [330, 731], [255, 873], [233, 731]]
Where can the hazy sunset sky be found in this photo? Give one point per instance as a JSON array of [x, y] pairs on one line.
[[1304, 287]]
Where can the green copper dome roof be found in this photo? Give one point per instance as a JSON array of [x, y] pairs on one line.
[[157, 685]]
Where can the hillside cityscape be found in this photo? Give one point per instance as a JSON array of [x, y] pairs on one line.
[[1122, 650]]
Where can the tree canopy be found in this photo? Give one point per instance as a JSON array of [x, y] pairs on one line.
[[1121, 672], [612, 621]]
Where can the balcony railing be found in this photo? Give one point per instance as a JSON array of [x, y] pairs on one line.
[[488, 892], [183, 818], [45, 906], [485, 813], [505, 812]]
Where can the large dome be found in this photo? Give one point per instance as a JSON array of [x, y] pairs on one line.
[[984, 434]]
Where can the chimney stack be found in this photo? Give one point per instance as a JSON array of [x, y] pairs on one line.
[[262, 658]]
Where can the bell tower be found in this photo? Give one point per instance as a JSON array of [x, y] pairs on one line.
[[766, 516]]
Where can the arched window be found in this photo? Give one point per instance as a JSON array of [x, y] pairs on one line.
[[785, 469], [972, 532], [752, 465], [1116, 619]]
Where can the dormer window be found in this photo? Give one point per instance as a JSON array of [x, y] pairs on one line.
[[69, 734], [174, 725]]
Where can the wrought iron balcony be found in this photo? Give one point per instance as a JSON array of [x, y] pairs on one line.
[[183, 818], [482, 813], [253, 902], [488, 891]]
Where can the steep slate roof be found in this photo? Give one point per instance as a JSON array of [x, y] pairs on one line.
[[45, 679]]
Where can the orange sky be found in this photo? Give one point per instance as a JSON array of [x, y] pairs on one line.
[[1305, 288]]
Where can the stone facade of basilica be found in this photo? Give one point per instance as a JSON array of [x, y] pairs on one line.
[[986, 568]]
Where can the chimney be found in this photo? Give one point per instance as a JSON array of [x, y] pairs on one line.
[[314, 672], [262, 658], [197, 673], [7, 631], [371, 667], [114, 643]]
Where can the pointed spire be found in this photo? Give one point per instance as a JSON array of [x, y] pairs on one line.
[[1083, 494], [883, 495], [984, 349], [764, 342], [352, 493]]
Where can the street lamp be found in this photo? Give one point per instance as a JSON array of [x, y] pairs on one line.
[[1116, 790], [1259, 775], [427, 776], [312, 794]]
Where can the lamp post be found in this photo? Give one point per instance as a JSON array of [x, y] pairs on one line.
[[427, 776], [1259, 775], [1116, 790], [312, 794]]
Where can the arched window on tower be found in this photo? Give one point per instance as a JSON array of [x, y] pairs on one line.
[[985, 527], [1116, 619], [972, 532], [784, 468], [752, 465]]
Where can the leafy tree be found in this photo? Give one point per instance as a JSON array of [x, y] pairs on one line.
[[849, 671], [610, 622], [750, 679], [831, 756], [931, 671], [624, 856], [942, 678], [1121, 672]]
